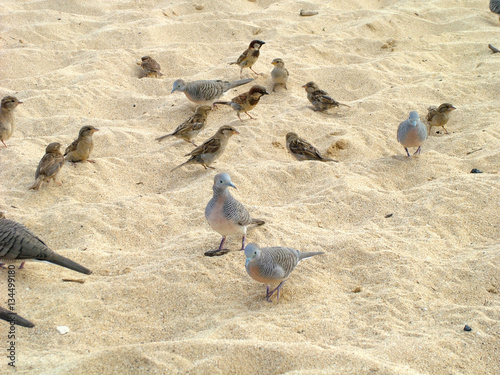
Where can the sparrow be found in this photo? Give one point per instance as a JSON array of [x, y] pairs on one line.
[[204, 91], [211, 149], [279, 74], [49, 166], [150, 67], [495, 7], [412, 133], [246, 101], [303, 150], [320, 98], [439, 116], [249, 57], [191, 127], [81, 147], [7, 125]]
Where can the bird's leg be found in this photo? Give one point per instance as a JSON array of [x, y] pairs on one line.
[[249, 115], [2, 265], [418, 151], [193, 143], [445, 130], [58, 182], [222, 243], [4, 143], [243, 243], [407, 153], [268, 294], [239, 116], [21, 267], [90, 161], [259, 74]]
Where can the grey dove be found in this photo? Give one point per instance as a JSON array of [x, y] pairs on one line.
[[270, 265], [204, 91], [495, 7], [10, 316], [7, 124], [18, 243], [412, 133], [226, 215]]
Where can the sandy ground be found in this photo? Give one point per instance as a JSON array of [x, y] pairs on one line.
[[390, 296]]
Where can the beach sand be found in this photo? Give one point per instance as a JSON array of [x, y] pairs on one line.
[[412, 250]]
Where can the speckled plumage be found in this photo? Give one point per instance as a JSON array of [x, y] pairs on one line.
[[439, 116], [273, 264], [190, 128], [204, 91], [80, 149], [49, 166], [249, 56]]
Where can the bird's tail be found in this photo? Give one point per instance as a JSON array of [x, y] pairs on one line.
[[12, 316], [225, 103], [345, 105], [239, 82], [309, 254], [328, 159], [159, 139], [180, 165], [68, 263], [258, 222], [37, 184]]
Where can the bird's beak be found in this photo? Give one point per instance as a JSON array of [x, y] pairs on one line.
[[453, 107], [273, 63], [236, 132], [95, 130], [173, 90], [266, 93], [19, 102], [304, 86], [232, 185]]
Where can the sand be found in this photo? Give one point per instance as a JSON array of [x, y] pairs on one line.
[[412, 244]]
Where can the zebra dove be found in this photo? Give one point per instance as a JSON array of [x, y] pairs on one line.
[[49, 166], [495, 7], [7, 124], [81, 147], [249, 56], [273, 264], [226, 215], [412, 133], [18, 243], [204, 91]]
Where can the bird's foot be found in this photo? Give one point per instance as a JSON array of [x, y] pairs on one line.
[[90, 161], [21, 267]]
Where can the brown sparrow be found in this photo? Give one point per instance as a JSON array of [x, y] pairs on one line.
[[303, 150], [246, 101], [191, 127], [150, 67], [211, 149], [249, 57], [7, 124], [81, 147], [49, 166], [320, 98], [439, 116], [279, 74]]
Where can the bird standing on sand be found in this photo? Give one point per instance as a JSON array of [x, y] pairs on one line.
[[279, 74], [246, 101], [225, 214], [81, 147], [203, 91], [303, 150], [249, 56], [150, 67], [495, 7], [18, 243], [439, 116], [211, 149], [49, 166], [412, 133], [320, 99], [191, 127], [10, 316], [273, 265], [7, 124]]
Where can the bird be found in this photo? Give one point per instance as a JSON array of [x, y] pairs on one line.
[[303, 150], [439, 116], [279, 74], [412, 133], [246, 101], [320, 99], [49, 166], [273, 264], [18, 243], [81, 147], [191, 127], [205, 91], [495, 7], [210, 150], [249, 57], [10, 316], [225, 214], [150, 67], [7, 124]]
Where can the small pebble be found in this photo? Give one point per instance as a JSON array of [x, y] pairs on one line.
[[388, 216], [62, 330], [475, 170], [199, 6], [467, 328]]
